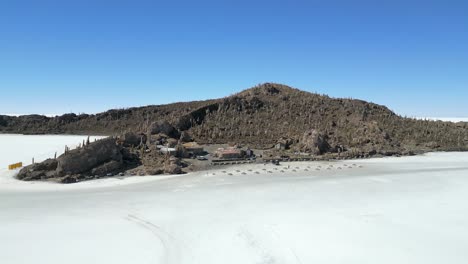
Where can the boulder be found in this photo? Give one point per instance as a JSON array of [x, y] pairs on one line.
[[38, 171], [112, 167], [133, 139], [314, 142], [174, 166], [176, 161], [173, 169], [432, 145], [158, 139], [153, 170], [68, 179], [284, 143], [31, 175]]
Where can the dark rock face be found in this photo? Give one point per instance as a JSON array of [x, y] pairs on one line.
[[85, 159], [3, 121], [164, 127], [196, 117], [313, 142], [130, 159]]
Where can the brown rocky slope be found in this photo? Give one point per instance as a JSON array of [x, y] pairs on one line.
[[263, 116]]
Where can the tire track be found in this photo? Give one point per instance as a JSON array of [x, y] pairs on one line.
[[170, 254]]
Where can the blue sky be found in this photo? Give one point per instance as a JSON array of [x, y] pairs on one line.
[[89, 56]]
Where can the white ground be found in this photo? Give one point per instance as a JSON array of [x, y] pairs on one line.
[[20, 148], [446, 119], [393, 210]]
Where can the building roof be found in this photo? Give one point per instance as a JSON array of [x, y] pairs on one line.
[[229, 151], [191, 145], [166, 149]]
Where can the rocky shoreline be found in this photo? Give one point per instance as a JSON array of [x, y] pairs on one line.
[[136, 154]]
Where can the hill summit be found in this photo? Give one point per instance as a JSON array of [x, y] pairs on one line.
[[262, 117]]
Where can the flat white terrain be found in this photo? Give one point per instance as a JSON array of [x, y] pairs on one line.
[[21, 148], [446, 119], [392, 210]]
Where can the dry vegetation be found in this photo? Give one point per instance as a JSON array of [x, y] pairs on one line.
[[262, 116]]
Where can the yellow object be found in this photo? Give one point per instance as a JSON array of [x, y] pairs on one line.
[[191, 145], [15, 166]]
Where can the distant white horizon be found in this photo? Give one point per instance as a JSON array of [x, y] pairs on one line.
[[446, 119], [48, 115]]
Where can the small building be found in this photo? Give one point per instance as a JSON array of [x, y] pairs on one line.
[[229, 153]]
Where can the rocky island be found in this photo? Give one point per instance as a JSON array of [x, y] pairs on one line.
[[268, 122]]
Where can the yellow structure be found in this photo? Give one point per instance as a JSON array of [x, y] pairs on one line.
[[191, 145], [15, 166]]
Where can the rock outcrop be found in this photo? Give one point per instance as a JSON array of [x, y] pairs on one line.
[[164, 127], [173, 166], [96, 159], [314, 142], [131, 139], [85, 159], [106, 157], [39, 171]]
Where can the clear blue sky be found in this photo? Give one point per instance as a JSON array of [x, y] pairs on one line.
[[89, 56]]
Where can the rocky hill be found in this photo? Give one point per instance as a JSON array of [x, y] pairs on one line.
[[263, 116]]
